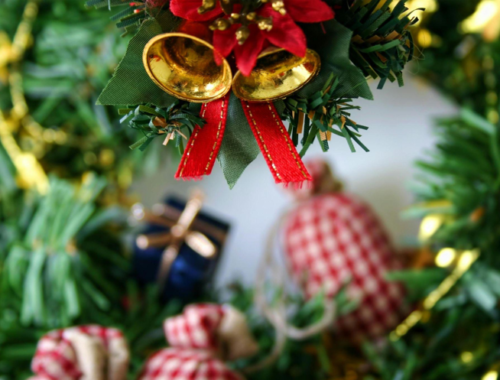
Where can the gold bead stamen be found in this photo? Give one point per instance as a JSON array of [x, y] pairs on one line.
[[244, 18]]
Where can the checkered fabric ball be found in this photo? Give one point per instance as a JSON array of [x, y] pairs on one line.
[[90, 352], [183, 364], [200, 339], [334, 239]]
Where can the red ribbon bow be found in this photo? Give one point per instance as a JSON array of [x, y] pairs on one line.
[[272, 137]]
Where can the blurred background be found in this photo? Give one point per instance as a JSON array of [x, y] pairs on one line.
[[70, 236], [400, 121]]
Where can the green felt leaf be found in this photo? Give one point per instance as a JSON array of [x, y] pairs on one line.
[[239, 147], [333, 49], [131, 84], [168, 22], [280, 106]]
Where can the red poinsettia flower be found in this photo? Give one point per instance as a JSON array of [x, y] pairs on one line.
[[285, 33]]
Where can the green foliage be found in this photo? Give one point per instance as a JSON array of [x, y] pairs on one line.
[[332, 40], [130, 84], [69, 63], [460, 339], [64, 266], [141, 319], [381, 44], [327, 111], [48, 268], [465, 170], [177, 120], [140, 316], [129, 18], [62, 258], [463, 66], [300, 359], [239, 147]]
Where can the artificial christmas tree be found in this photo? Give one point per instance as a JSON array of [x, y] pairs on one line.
[[454, 334], [63, 261]]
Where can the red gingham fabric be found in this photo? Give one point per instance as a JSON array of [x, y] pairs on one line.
[[55, 358], [194, 352], [186, 364], [195, 328], [333, 238]]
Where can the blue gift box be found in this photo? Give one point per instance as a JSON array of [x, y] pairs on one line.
[[190, 272]]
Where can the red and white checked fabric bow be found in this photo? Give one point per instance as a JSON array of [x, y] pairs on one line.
[[81, 353], [201, 339]]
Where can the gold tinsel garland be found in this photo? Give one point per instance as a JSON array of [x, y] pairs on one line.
[[30, 173]]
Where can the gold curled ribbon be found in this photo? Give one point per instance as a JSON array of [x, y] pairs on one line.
[[29, 170], [465, 261]]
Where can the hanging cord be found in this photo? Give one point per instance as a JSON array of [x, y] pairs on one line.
[[276, 313]]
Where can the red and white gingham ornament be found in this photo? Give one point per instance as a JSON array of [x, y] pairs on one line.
[[84, 352], [184, 364], [333, 239], [200, 339]]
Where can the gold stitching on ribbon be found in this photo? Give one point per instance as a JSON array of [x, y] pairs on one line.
[[273, 166], [219, 128], [190, 148], [290, 148]]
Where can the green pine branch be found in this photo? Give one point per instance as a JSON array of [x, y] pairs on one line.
[[460, 340], [324, 113], [382, 44], [175, 122]]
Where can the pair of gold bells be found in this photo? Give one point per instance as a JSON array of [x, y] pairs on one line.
[[184, 66]]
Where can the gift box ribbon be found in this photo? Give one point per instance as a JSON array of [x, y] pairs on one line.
[[180, 233]]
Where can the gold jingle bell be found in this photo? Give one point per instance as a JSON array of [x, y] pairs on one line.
[[184, 66], [278, 73]]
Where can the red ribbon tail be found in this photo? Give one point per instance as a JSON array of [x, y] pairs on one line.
[[204, 144], [275, 144]]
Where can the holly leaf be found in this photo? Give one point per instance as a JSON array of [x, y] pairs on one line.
[[332, 42], [239, 147], [130, 84]]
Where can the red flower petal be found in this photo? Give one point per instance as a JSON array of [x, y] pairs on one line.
[[309, 10], [246, 54], [285, 33], [188, 9], [196, 29], [224, 42]]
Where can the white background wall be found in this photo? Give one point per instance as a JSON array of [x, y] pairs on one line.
[[400, 121]]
